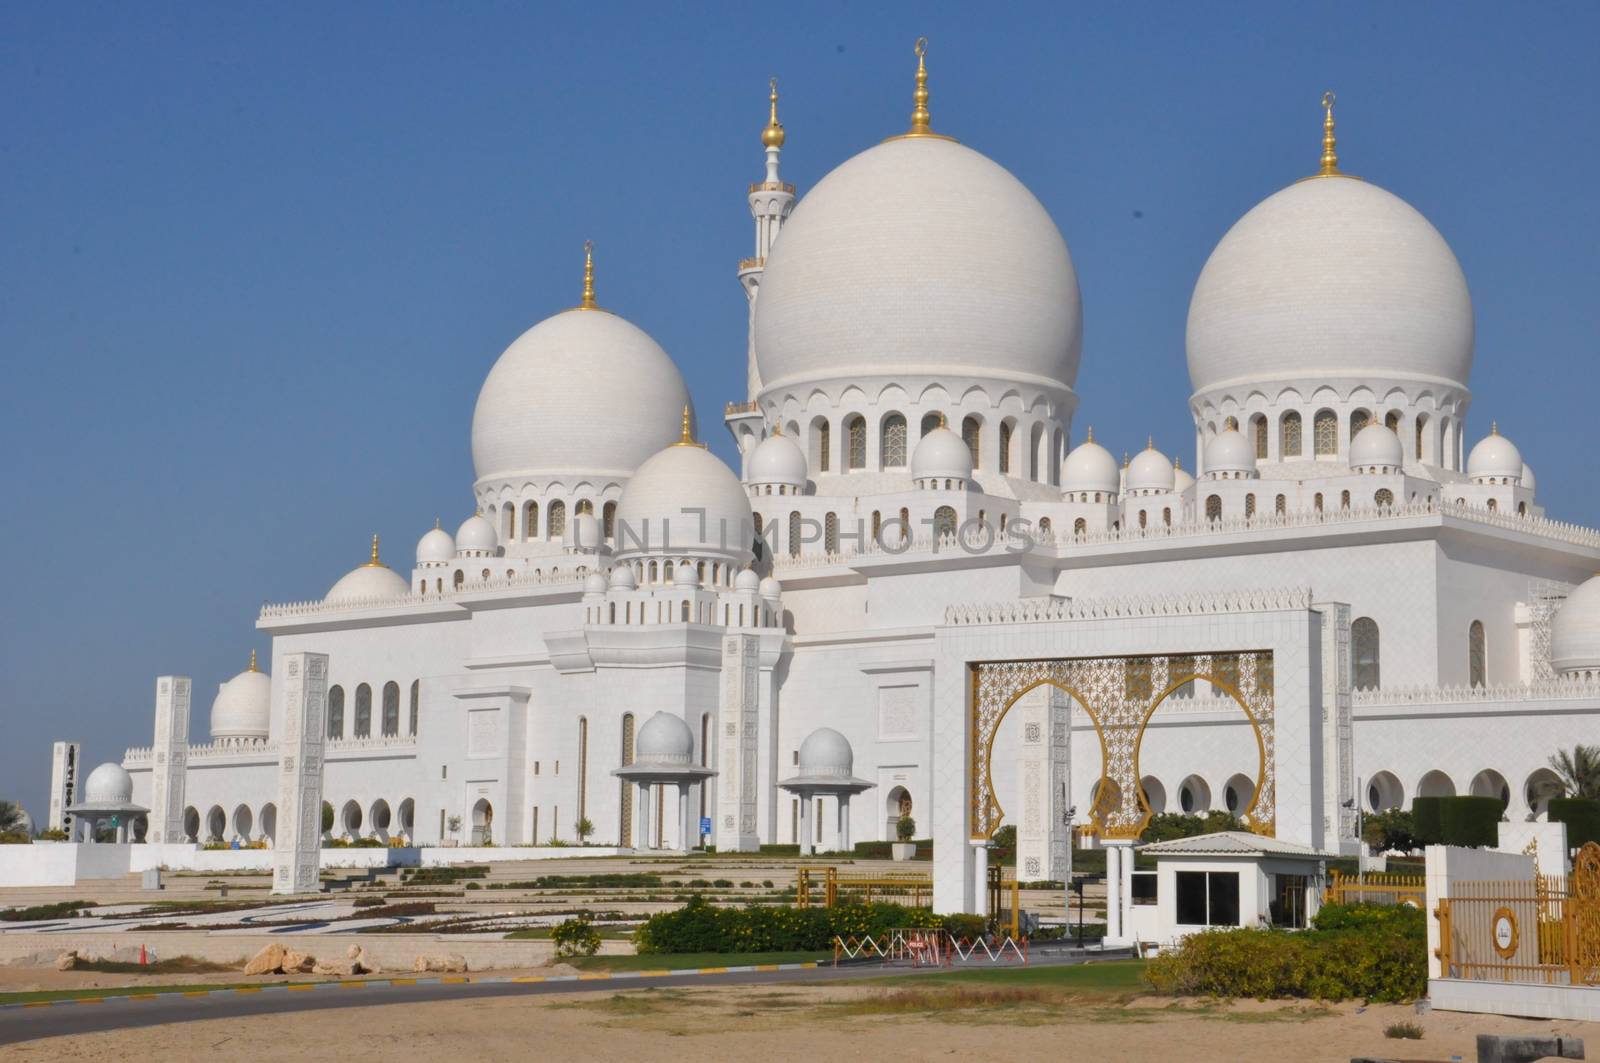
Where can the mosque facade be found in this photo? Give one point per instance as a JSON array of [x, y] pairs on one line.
[[910, 463]]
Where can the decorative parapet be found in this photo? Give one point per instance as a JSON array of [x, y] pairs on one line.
[[1040, 610], [734, 409], [772, 186], [498, 583], [358, 745], [1548, 690], [257, 748], [752, 263]]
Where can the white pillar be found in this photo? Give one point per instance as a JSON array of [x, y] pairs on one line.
[[1113, 893], [644, 816], [1123, 919], [980, 875], [683, 817], [844, 823], [297, 856], [805, 825]]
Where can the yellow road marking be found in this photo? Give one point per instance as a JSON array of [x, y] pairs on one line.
[[247, 989], [530, 978], [146, 996], [197, 992], [767, 967], [402, 981], [352, 985], [662, 973], [594, 976], [302, 985], [91, 1000], [38, 1004], [709, 970]]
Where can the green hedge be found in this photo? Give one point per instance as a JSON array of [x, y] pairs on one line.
[[1377, 952], [700, 926], [1468, 821], [1581, 815]]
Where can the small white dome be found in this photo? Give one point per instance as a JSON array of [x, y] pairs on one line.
[[685, 501], [940, 455], [623, 579], [685, 575], [1230, 452], [826, 754], [1181, 480], [777, 459], [771, 588], [747, 580], [595, 583], [243, 705], [583, 533], [664, 739], [1528, 479], [1151, 470], [1377, 445], [108, 784], [1090, 467], [1495, 456], [1575, 631], [436, 547], [477, 535], [372, 581], [583, 393]]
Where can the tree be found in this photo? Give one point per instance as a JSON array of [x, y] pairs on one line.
[[327, 817], [1393, 829], [1169, 825], [583, 828], [10, 817], [905, 828], [1579, 771]]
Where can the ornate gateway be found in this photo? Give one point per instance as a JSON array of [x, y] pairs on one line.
[[1120, 694]]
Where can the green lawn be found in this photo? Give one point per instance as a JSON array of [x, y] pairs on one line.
[[122, 991], [1114, 975], [687, 960]]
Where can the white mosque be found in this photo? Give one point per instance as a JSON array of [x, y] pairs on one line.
[[913, 498]]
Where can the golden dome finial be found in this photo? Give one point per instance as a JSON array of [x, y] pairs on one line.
[[1330, 157], [253, 667], [1124, 459], [772, 136], [373, 562], [919, 115], [1090, 437], [1494, 428], [1149, 442], [942, 422], [686, 437], [1177, 463], [588, 302], [777, 428], [435, 523]]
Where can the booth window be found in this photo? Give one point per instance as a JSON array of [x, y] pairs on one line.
[[1208, 898], [1288, 908]]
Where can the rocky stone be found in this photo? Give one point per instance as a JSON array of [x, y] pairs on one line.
[[66, 961], [298, 962], [450, 964], [268, 961], [366, 964]]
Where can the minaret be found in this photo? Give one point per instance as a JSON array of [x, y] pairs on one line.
[[770, 203]]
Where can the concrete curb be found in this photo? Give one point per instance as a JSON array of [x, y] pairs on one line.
[[380, 983]]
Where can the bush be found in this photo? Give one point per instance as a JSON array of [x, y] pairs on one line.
[[1394, 829], [1407, 1031], [1377, 952], [15, 837], [54, 834], [57, 910], [369, 902], [1581, 815], [700, 926], [1469, 821], [1170, 825], [576, 936], [1427, 820], [905, 828]]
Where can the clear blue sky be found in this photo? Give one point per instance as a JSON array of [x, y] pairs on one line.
[[255, 261]]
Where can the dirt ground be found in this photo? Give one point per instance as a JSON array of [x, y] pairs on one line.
[[815, 1024]]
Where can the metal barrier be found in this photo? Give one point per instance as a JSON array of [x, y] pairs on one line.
[[1544, 930], [1376, 887], [930, 948], [824, 887]]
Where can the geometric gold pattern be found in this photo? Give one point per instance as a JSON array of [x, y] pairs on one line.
[[1120, 694]]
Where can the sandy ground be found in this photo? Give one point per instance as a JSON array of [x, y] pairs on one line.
[[816, 1024], [34, 979]]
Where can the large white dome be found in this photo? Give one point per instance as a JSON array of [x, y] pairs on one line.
[[685, 501], [243, 705], [1329, 279], [372, 581], [583, 392], [1575, 631], [1091, 467], [919, 257]]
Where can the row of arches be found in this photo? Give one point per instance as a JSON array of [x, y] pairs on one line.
[[1429, 439], [513, 522], [662, 611], [360, 723], [1366, 661], [248, 825], [1009, 446], [1385, 791]]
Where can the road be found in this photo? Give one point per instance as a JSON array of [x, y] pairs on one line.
[[19, 1024]]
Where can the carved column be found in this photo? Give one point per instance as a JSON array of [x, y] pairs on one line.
[[738, 737], [1338, 747], [169, 760], [65, 764], [297, 848]]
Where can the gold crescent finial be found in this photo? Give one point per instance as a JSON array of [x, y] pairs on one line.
[[920, 121], [588, 302], [772, 136], [686, 436], [1330, 157], [1177, 463], [1149, 442], [1090, 437], [1494, 428], [435, 523], [253, 667], [373, 562]]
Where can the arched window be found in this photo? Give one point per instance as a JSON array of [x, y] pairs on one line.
[[1344, 499], [1141, 518], [391, 709], [583, 766], [1325, 433], [1422, 420], [944, 522], [625, 834], [1289, 435], [1249, 505], [584, 506], [1477, 655], [1166, 516], [608, 520], [667, 568], [459, 579], [1280, 505], [336, 712], [794, 534], [1230, 424], [930, 421], [363, 711], [1391, 421], [970, 427], [655, 573], [557, 519], [1384, 498], [1044, 526], [1035, 445], [1493, 505], [1006, 429], [509, 516], [856, 433], [822, 432], [1258, 429], [683, 613], [1522, 509], [1317, 501], [877, 527], [1214, 507], [1080, 528], [830, 533], [1364, 655], [416, 697], [530, 520], [1359, 420], [894, 441]]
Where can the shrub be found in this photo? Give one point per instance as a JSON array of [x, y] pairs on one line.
[[1408, 1031], [962, 925], [576, 936], [1377, 952], [700, 926], [1467, 821], [1427, 820], [15, 837], [54, 834], [369, 902], [1170, 825], [1394, 829], [57, 910], [1581, 815], [905, 828]]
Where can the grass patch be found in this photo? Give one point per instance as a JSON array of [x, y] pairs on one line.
[[1114, 976], [680, 961], [58, 910], [542, 933], [176, 965], [122, 991]]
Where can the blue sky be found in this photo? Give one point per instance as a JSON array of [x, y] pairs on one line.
[[254, 263]]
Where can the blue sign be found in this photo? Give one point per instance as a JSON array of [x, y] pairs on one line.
[[705, 824]]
